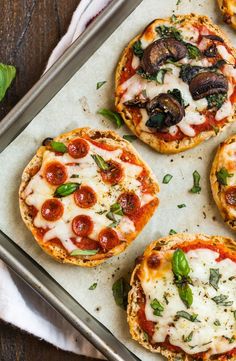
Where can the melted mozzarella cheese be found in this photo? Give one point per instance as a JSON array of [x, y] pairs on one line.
[[205, 334], [224, 111], [87, 174], [225, 54]]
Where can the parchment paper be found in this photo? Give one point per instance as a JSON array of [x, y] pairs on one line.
[[75, 106]]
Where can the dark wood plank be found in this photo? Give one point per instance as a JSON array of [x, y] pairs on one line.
[[29, 30], [16, 345]]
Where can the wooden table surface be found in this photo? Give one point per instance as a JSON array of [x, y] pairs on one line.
[[29, 30]]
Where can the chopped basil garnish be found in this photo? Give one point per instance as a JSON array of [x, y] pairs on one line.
[[115, 209], [145, 336], [66, 189], [74, 176], [169, 31], [58, 147], [173, 18], [129, 137], [181, 205], [196, 180], [156, 121], [7, 74], [181, 270], [176, 93], [158, 77], [230, 339], [217, 322], [100, 84], [222, 176], [167, 178], [172, 231], [101, 163], [161, 75], [187, 316], [216, 129], [137, 48], [216, 100], [214, 278], [221, 300], [193, 51], [234, 314], [93, 286], [157, 307], [178, 2], [84, 252], [188, 338], [112, 115], [120, 291]]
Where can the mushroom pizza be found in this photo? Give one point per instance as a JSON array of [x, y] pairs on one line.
[[223, 180], [86, 195], [182, 302], [175, 83]]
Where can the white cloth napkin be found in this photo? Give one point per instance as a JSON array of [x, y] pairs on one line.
[[19, 305]]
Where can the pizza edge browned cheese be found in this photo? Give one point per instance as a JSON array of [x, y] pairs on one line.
[[223, 178], [182, 298], [178, 90], [86, 195], [228, 8]]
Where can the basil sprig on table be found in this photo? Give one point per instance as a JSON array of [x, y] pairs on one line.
[[66, 189], [84, 252], [181, 270], [58, 146], [112, 115], [7, 74], [120, 291], [101, 163], [196, 181], [222, 176], [93, 286], [100, 84]]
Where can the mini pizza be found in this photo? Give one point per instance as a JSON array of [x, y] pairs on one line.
[[182, 301], [86, 195], [175, 83], [223, 180], [228, 8]]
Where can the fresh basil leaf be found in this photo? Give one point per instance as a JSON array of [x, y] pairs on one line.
[[58, 147], [221, 300], [186, 295], [101, 163], [214, 278], [216, 129], [230, 339], [137, 48], [187, 316], [93, 286], [188, 338], [145, 336], [161, 75], [172, 231], [116, 209], [120, 291], [157, 307], [66, 189], [112, 115], [156, 121], [84, 252], [176, 93], [193, 51], [100, 84], [181, 205], [222, 176], [7, 74], [196, 180], [217, 322], [167, 178], [169, 31], [180, 266], [216, 100], [129, 137]]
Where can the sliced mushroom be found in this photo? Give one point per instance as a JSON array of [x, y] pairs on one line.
[[207, 83], [211, 51], [139, 103], [214, 37], [168, 107], [161, 50]]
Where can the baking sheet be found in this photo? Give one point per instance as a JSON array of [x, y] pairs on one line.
[[76, 105]]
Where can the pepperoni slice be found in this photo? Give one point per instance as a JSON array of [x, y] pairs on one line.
[[85, 197], [129, 202], [108, 239], [87, 243], [114, 174], [52, 210], [78, 148], [230, 195], [55, 173], [82, 225]]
